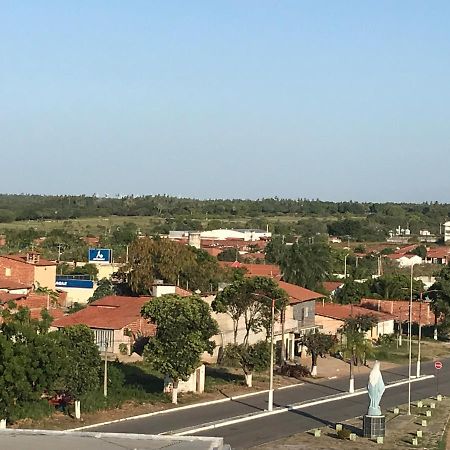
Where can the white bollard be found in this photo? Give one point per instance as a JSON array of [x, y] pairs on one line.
[[2, 424], [77, 409], [351, 388]]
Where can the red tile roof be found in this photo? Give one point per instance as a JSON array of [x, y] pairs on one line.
[[331, 286], [438, 252], [11, 284], [113, 313], [253, 270], [5, 297], [23, 259], [182, 292], [342, 312], [298, 294]]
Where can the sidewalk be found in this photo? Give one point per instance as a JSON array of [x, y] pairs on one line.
[[331, 367]]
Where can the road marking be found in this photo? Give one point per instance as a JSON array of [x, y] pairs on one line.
[[290, 386], [281, 410]]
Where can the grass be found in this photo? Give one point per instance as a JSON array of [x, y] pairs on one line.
[[430, 349]]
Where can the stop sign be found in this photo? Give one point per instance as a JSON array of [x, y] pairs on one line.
[[438, 365]]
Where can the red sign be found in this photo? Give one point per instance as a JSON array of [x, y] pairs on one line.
[[438, 365]]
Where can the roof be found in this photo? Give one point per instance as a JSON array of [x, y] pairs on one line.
[[255, 270], [23, 259], [298, 294], [112, 312], [182, 292], [342, 312], [6, 297], [11, 284], [438, 252], [331, 286]]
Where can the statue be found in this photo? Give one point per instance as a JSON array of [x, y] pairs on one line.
[[376, 389]]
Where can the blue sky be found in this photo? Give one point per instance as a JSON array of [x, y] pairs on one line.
[[323, 99]]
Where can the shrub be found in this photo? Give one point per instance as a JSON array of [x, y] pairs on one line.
[[343, 434], [294, 370], [123, 349]]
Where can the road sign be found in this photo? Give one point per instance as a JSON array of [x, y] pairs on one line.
[[438, 365]]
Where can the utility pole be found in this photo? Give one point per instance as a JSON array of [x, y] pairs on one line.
[[270, 402], [105, 375], [419, 337], [410, 340]]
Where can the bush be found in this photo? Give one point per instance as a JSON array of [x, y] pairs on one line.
[[123, 349], [32, 410], [386, 340], [343, 434], [252, 358], [294, 371]]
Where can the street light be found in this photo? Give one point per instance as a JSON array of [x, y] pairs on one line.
[[345, 266], [270, 398], [410, 339]]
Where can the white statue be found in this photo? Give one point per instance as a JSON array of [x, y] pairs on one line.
[[376, 389]]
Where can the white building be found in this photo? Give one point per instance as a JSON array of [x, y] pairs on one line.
[[223, 234], [447, 231]]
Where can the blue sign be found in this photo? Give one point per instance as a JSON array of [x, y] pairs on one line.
[[65, 282], [100, 255]]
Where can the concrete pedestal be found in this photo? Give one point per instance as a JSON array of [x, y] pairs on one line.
[[374, 426]]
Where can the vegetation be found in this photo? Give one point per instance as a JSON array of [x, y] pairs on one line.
[[318, 344], [250, 300], [184, 330]]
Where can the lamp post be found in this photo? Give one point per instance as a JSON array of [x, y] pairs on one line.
[[345, 266], [272, 326], [419, 339], [105, 375], [410, 339]]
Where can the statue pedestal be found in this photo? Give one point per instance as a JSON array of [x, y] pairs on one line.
[[374, 426]]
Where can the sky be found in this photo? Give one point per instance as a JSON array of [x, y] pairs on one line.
[[336, 100]]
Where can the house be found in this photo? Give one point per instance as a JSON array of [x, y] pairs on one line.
[[331, 287], [28, 269], [438, 255], [116, 322], [298, 319], [255, 270], [399, 309], [405, 260], [331, 316]]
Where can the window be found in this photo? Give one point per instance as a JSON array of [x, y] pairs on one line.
[[102, 336], [7, 271]]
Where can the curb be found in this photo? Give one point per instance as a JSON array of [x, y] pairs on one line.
[[280, 410], [179, 408]]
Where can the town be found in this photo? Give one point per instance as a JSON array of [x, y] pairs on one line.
[[189, 314]]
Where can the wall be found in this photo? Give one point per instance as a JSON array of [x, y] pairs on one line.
[[329, 325], [305, 313], [45, 276], [19, 271], [79, 295]]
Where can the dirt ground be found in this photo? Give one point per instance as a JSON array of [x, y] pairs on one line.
[[400, 429]]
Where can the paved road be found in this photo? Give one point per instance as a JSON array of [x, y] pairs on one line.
[[262, 430]]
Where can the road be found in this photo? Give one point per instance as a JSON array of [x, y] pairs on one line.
[[266, 429]]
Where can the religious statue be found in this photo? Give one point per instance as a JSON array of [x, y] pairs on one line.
[[376, 389]]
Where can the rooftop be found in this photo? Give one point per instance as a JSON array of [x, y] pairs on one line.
[[112, 312], [298, 294], [342, 312]]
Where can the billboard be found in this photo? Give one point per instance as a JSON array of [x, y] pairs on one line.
[[100, 255], [65, 282]]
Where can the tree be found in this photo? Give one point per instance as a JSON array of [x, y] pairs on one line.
[[251, 358], [82, 362], [250, 299], [30, 360], [175, 263], [318, 344], [352, 292], [105, 288], [395, 285], [356, 346], [183, 333], [439, 293], [421, 251], [229, 254], [306, 264]]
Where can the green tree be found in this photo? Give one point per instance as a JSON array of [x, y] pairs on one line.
[[183, 333], [250, 299], [306, 264], [318, 344], [229, 254], [439, 293], [355, 345], [82, 361], [251, 358], [352, 292], [105, 288]]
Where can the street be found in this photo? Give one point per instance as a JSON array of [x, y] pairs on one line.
[[265, 429]]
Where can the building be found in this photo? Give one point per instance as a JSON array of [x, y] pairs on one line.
[[243, 234], [331, 287], [116, 322], [399, 309], [447, 231], [298, 319], [29, 269], [331, 317], [405, 260], [255, 270], [438, 255]]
